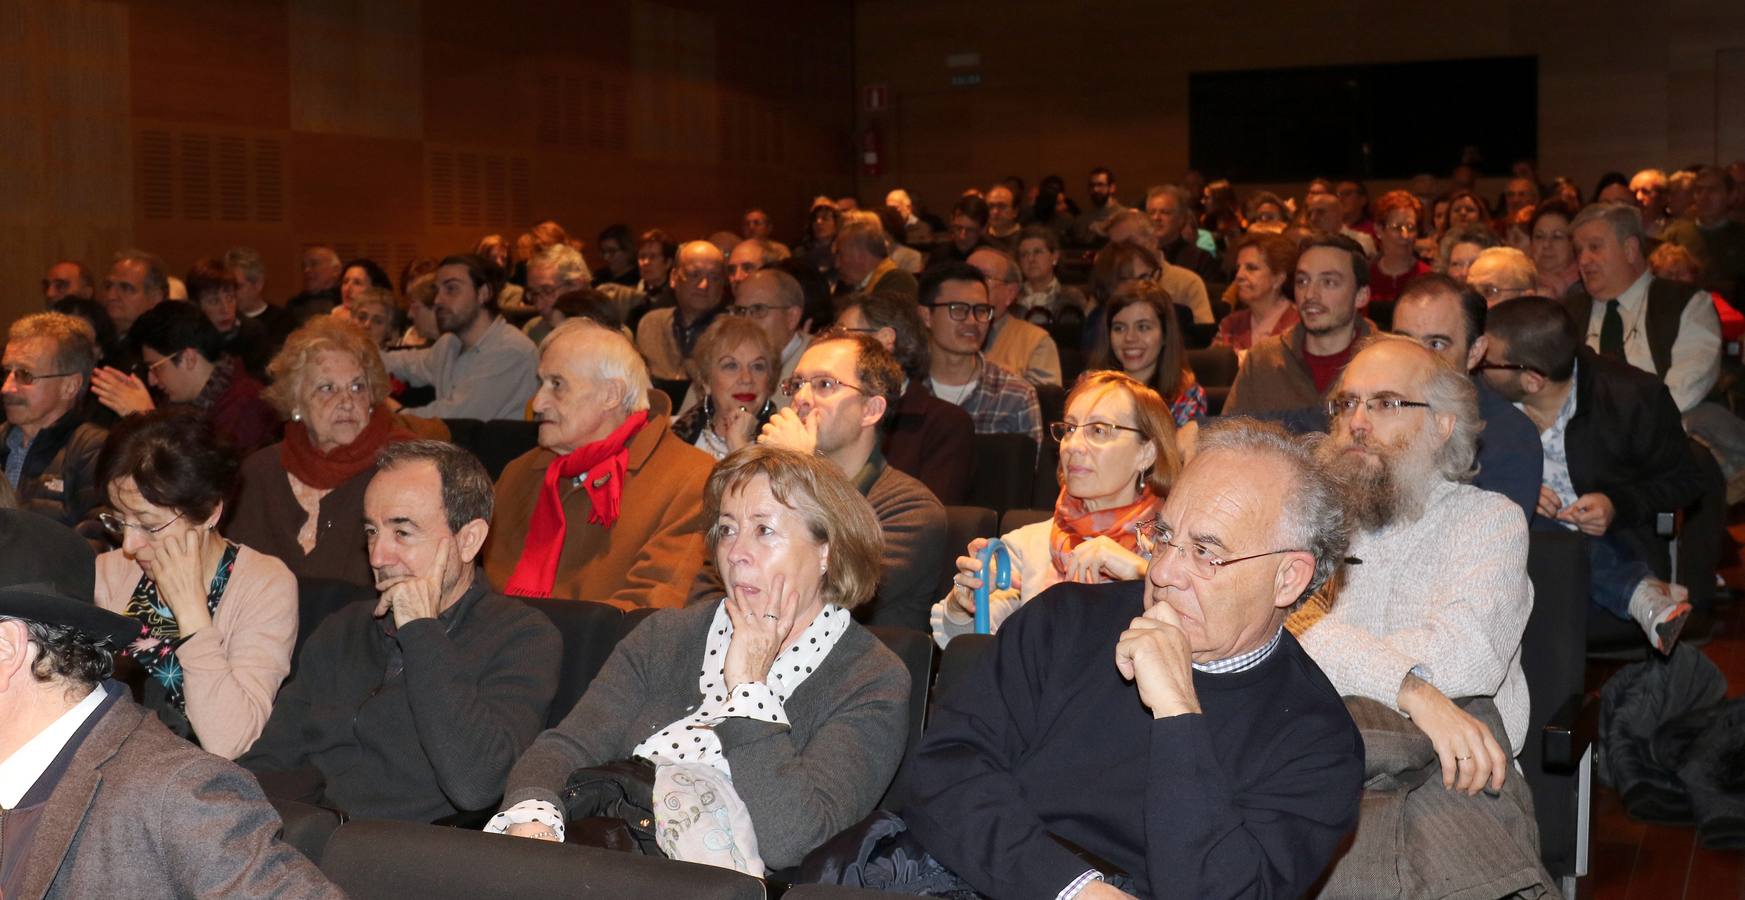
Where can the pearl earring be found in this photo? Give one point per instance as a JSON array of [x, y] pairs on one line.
[[297, 416]]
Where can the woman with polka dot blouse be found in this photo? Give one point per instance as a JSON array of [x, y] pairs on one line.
[[773, 720]]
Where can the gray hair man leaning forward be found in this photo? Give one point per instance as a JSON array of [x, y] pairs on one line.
[[1174, 691], [48, 446], [95, 793]]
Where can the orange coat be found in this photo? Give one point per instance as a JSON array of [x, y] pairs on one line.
[[649, 557]]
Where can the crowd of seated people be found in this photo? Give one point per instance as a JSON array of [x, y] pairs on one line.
[[758, 443]]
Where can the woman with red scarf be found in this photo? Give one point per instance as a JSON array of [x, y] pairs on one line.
[[1117, 461], [302, 499]]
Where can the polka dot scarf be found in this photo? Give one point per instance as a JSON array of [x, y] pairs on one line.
[[692, 739]]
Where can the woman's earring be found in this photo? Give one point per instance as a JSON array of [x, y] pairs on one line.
[[296, 415], [708, 408]]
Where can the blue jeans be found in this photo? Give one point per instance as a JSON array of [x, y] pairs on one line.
[[1614, 567]]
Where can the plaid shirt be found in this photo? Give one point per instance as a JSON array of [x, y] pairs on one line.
[[1241, 663], [1002, 403]]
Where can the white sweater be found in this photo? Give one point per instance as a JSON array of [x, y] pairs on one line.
[[1032, 569], [1446, 595]]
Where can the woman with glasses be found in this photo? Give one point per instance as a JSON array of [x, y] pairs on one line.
[[1144, 341], [1117, 461], [1397, 215], [216, 619], [1552, 250], [736, 364]]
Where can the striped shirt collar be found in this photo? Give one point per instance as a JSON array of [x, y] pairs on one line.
[[1244, 662]]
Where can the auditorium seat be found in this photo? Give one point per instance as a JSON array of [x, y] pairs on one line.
[[1051, 400], [915, 649], [957, 659], [318, 598], [1214, 366], [307, 827], [375, 860], [590, 631], [1018, 518], [1555, 758], [496, 442], [1005, 471], [962, 525]]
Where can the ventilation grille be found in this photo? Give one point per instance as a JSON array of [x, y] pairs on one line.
[[472, 189], [197, 176]]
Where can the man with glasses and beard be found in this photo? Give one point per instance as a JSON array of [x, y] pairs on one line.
[[1429, 624]]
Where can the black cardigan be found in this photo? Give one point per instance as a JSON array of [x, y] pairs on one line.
[[1627, 441]]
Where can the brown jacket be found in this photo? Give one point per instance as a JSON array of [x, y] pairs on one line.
[[1274, 378], [649, 557], [139, 812]]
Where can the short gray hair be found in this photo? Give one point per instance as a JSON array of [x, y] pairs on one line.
[[1517, 268], [467, 492], [609, 356], [74, 339], [246, 260], [1174, 190], [1314, 512], [567, 263], [1624, 218]]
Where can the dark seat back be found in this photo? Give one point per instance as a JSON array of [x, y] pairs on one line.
[[1554, 660], [915, 649], [307, 827], [959, 657], [1214, 366], [1018, 518], [318, 598], [1005, 468], [496, 442], [1051, 399], [590, 631], [962, 525], [372, 860], [674, 388]]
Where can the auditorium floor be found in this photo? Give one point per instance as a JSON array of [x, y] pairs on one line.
[[1637, 861]]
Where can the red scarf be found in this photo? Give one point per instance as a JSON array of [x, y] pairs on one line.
[[603, 462], [1073, 524], [326, 471]]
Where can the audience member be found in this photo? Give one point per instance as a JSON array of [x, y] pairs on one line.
[[375, 311], [863, 262], [969, 225], [1257, 798], [775, 301], [655, 252], [1184, 287], [184, 360], [1502, 273], [1615, 455], [842, 391], [48, 444], [552, 273], [1091, 227], [212, 287], [1109, 484], [1265, 266], [740, 741], [248, 272], [1648, 190], [359, 274], [1449, 321], [608, 506], [618, 249], [735, 367], [67, 278], [1709, 232], [1171, 211], [1397, 217], [137, 282], [1013, 343], [1294, 369], [1665, 328], [916, 233], [1144, 341], [1460, 246], [97, 793], [954, 307], [481, 367], [414, 707], [320, 294], [1003, 224], [818, 246], [1042, 298], [755, 225], [302, 499], [752, 255], [666, 336], [1323, 213], [925, 437], [1466, 210], [1552, 250], [216, 619]]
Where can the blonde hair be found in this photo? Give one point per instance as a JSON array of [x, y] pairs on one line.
[[320, 335], [834, 513], [727, 333], [1151, 416]]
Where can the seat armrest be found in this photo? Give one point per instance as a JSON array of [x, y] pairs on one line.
[[1569, 732]]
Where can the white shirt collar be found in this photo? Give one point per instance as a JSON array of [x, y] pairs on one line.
[[20, 771], [1633, 296]]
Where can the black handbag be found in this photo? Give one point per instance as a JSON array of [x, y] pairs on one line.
[[611, 806]]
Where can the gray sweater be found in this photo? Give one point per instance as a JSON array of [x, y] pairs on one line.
[[803, 783]]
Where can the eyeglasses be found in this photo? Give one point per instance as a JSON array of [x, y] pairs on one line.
[[26, 378], [959, 312], [1406, 228], [153, 367], [118, 526], [1375, 406], [1507, 367], [1097, 433], [753, 310], [1153, 536], [822, 386], [1490, 291]]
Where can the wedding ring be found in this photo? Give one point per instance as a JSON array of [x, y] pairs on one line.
[[1463, 758]]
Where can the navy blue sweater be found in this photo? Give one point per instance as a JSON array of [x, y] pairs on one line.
[[1043, 736]]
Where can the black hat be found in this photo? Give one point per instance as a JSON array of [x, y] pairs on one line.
[[47, 575]]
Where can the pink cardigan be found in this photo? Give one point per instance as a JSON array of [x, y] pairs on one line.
[[231, 670]]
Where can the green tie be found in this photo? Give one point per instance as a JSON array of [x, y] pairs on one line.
[[1612, 332]]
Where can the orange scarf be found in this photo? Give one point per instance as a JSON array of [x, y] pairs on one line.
[[603, 464], [1074, 524]]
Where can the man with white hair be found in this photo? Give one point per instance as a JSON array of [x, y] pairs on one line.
[[667, 335], [1502, 273], [863, 262], [552, 273], [1649, 187], [320, 294], [916, 232], [1171, 211], [609, 506]]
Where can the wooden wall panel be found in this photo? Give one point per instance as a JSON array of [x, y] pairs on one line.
[[211, 63], [356, 67]]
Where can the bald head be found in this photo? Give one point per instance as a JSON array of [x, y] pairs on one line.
[[699, 277]]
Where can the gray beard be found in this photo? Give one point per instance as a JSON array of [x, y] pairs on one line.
[[1379, 496]]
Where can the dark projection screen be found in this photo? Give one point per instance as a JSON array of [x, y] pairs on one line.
[[1390, 120]]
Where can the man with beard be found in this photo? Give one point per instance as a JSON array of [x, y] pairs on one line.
[[1293, 370], [1091, 227], [1435, 611], [482, 367]]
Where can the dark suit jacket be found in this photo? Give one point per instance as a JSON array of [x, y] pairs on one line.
[[934, 441], [60, 468], [1626, 441], [139, 812]]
